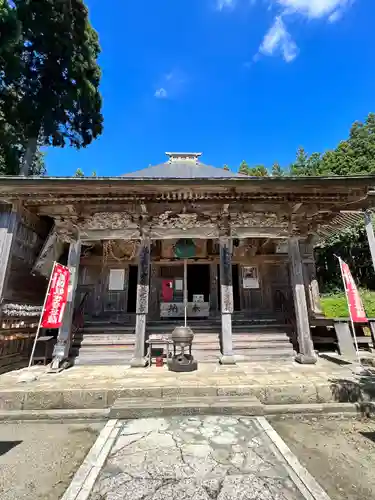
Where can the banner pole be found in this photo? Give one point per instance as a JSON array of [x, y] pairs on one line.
[[41, 316], [185, 292], [350, 314]]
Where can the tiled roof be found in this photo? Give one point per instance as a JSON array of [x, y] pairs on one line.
[[182, 170]]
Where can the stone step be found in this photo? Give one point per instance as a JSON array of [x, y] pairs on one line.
[[262, 354], [247, 328], [130, 408], [104, 340], [266, 337], [102, 361], [108, 329]]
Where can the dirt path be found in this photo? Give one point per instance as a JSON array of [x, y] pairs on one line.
[[38, 460], [340, 454]]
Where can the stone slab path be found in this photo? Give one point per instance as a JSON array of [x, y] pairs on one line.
[[192, 458], [100, 386]]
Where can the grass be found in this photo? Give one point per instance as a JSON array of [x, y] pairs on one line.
[[335, 305]]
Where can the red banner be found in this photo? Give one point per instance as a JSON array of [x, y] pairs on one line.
[[57, 295], [356, 309]]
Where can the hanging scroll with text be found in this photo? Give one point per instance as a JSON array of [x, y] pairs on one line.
[[56, 299]]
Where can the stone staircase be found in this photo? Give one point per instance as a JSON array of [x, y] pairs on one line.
[[104, 344]]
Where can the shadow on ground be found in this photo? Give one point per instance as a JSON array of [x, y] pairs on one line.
[[6, 446], [360, 391]]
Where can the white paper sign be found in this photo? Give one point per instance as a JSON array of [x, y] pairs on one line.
[[116, 279], [198, 298], [177, 310], [250, 277], [179, 285]]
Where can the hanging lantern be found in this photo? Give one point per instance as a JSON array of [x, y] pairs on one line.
[[184, 249]]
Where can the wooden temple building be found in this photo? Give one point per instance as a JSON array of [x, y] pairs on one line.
[[248, 243]]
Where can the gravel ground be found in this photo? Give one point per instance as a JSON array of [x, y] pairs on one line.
[[340, 454], [38, 460]]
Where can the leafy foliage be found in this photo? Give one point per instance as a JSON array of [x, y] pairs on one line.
[[257, 171], [79, 173], [12, 151], [277, 170], [353, 156], [49, 73], [352, 246], [335, 305]]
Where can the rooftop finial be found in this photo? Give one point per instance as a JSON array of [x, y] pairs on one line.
[[183, 157]]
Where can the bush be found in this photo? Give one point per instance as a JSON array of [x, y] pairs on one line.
[[334, 305]]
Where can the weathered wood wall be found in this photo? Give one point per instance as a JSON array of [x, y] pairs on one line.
[[93, 282], [28, 235]]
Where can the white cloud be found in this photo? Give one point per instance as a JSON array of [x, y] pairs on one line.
[[335, 16], [161, 93], [313, 9], [278, 40], [222, 4]]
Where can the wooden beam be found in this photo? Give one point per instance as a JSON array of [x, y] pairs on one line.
[[109, 234], [259, 232], [9, 220], [370, 235]]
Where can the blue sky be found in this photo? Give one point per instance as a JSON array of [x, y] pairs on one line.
[[234, 79]]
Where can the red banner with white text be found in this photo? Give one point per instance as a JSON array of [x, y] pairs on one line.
[[356, 309], [57, 295]]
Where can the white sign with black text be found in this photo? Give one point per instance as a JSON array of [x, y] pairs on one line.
[[250, 277]]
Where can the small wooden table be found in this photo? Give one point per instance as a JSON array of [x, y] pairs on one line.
[[154, 341], [44, 348]]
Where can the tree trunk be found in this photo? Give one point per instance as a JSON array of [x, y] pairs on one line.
[[28, 157]]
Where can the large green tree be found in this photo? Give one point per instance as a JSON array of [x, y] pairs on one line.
[[276, 170], [353, 156], [356, 154], [301, 164], [256, 171], [49, 74], [12, 151], [243, 168]]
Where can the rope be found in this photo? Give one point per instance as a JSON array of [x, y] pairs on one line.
[[108, 251]]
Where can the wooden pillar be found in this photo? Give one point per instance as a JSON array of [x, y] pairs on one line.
[[313, 288], [213, 290], [8, 228], [126, 287], [226, 291], [306, 348], [142, 304], [154, 306], [64, 337], [370, 234]]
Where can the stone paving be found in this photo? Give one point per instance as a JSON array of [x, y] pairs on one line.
[[99, 386], [197, 458]]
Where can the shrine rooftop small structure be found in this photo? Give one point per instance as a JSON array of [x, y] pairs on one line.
[[251, 279]]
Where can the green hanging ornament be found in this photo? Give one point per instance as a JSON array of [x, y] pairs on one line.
[[184, 249]]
